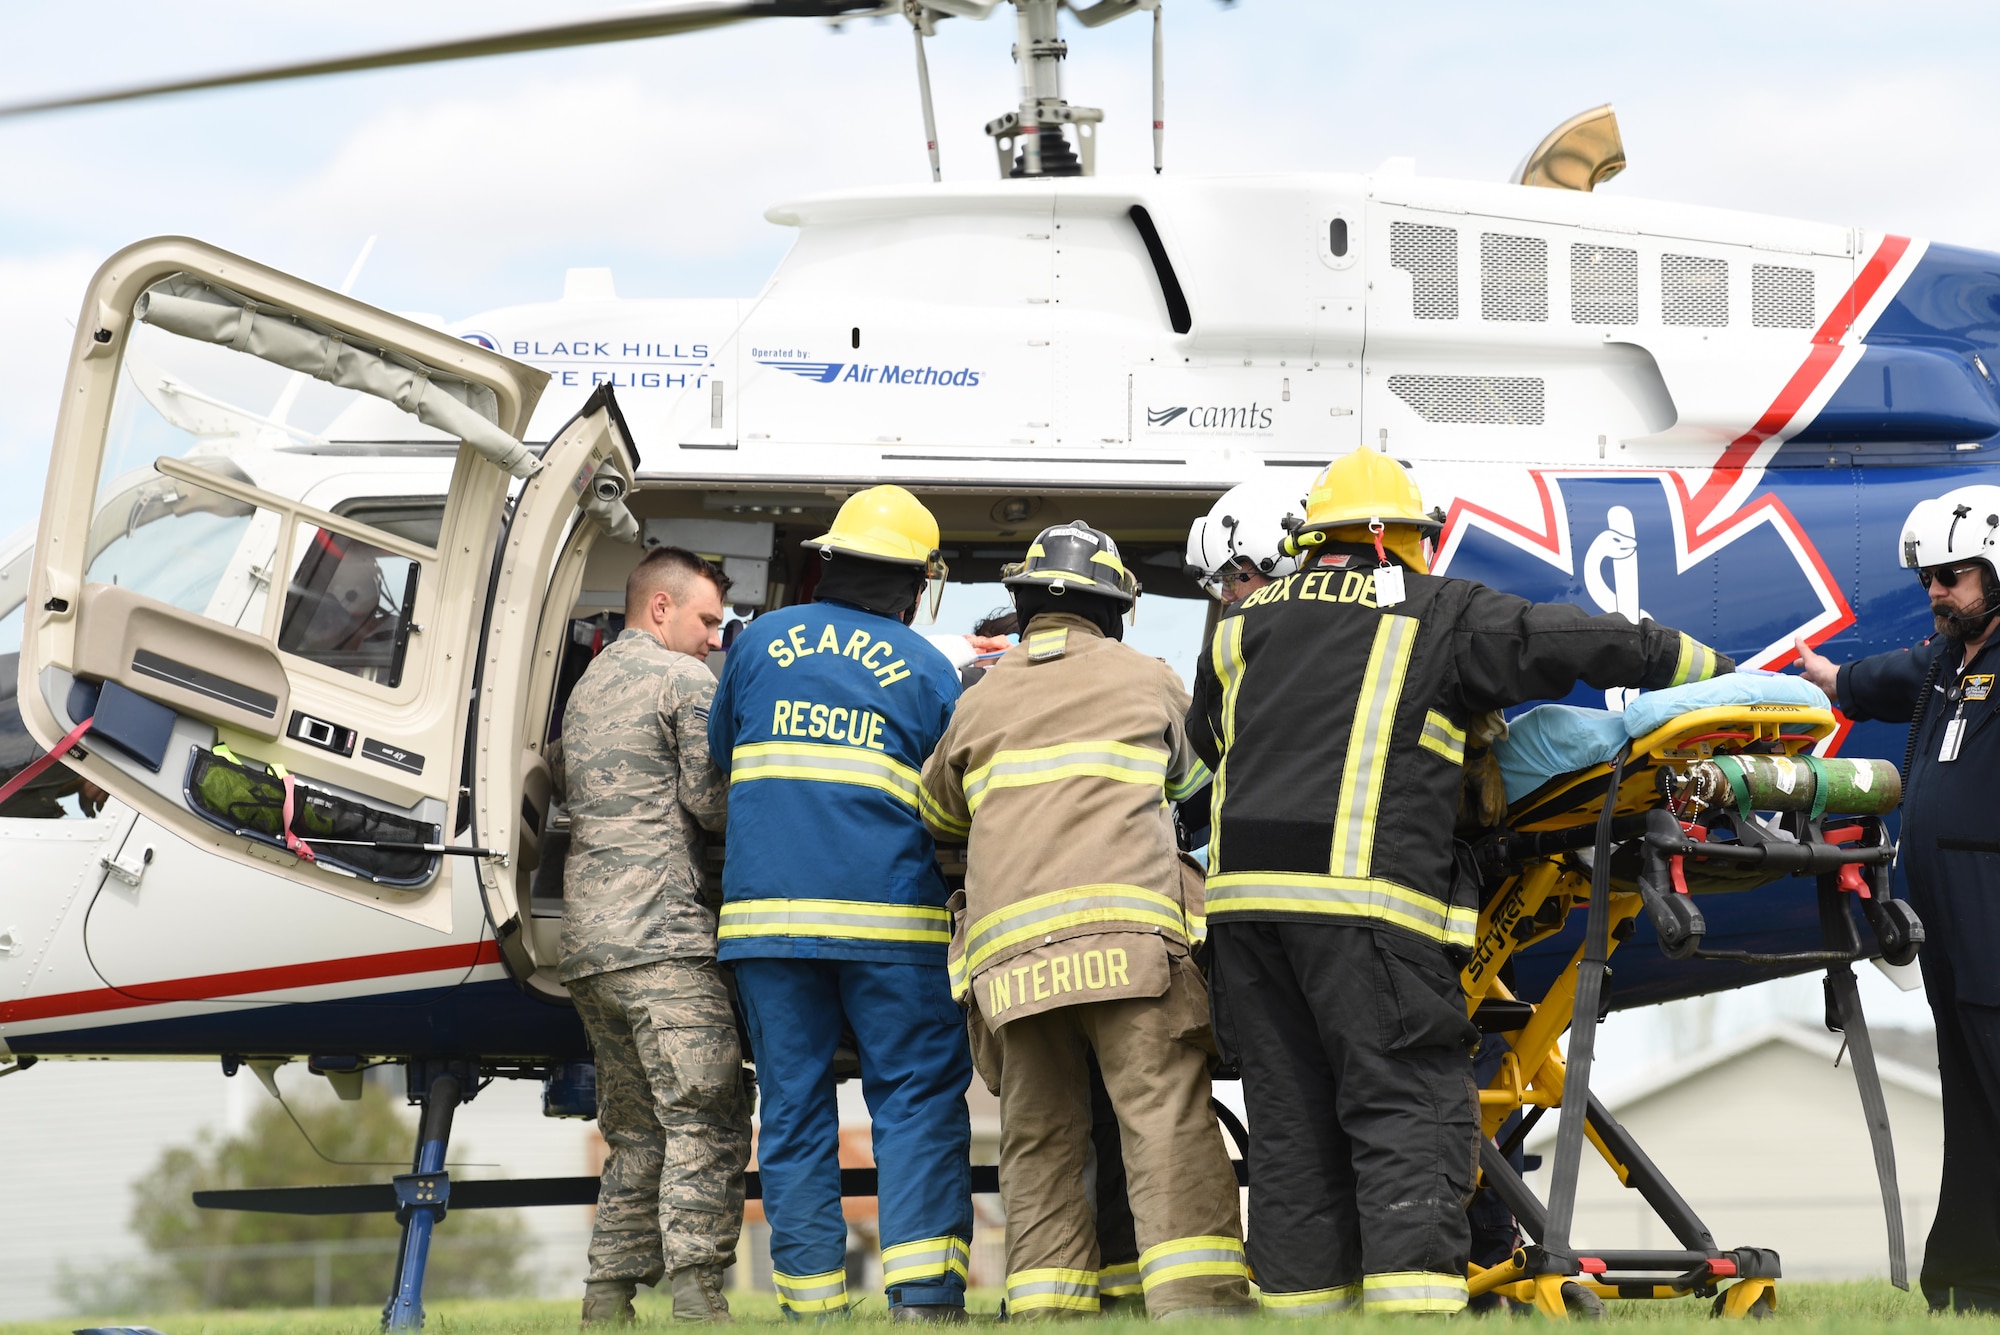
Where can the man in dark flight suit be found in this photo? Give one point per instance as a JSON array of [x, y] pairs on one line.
[[1944, 688]]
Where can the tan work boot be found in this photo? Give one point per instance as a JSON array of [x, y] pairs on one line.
[[608, 1302], [698, 1294]]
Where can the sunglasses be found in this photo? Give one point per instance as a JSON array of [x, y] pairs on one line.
[[1946, 576], [1222, 581]]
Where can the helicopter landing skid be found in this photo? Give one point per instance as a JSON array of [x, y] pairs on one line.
[[422, 1197]]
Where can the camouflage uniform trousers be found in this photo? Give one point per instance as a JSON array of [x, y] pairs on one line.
[[674, 1110]]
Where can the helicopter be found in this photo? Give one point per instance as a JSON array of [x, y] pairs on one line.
[[1643, 407]]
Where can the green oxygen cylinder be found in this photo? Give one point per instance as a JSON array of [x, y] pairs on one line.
[[1852, 787]]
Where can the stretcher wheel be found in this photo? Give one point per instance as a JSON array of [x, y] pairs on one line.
[[1762, 1308], [1581, 1303]]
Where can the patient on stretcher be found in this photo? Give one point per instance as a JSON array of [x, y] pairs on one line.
[[1549, 741]]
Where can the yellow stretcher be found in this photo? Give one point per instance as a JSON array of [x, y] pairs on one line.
[[1566, 847]]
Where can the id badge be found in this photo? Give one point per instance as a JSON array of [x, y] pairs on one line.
[[1388, 585], [1954, 732]]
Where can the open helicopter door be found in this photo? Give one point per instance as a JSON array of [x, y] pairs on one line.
[[282, 685], [560, 516]]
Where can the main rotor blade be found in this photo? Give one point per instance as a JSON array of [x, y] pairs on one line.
[[653, 21]]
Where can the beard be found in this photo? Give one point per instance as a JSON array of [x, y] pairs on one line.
[[1958, 627]]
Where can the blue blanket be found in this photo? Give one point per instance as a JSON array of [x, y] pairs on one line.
[[1550, 740]]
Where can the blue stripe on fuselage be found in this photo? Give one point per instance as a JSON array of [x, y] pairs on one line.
[[485, 1019], [1917, 382]]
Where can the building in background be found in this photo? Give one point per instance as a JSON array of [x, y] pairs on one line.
[[1764, 1137]]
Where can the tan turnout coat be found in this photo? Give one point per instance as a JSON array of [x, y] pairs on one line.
[[1055, 773]]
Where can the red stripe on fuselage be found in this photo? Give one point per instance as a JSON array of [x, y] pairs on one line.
[[1699, 508], [210, 987], [1826, 345]]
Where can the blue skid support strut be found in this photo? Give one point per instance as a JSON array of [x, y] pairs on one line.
[[421, 1199]]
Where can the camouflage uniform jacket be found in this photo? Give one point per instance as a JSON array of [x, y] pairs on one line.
[[640, 788]]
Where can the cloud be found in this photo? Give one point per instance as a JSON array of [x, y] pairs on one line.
[[39, 299]]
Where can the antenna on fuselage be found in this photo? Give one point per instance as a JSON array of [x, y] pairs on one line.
[[923, 25], [1159, 91]]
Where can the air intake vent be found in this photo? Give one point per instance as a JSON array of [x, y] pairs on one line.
[[1694, 291], [1472, 399], [1780, 297], [1603, 285], [1431, 255], [1513, 277]]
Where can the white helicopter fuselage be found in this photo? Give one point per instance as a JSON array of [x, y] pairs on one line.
[[1149, 341]]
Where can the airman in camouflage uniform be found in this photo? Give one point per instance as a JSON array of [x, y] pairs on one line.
[[638, 955]]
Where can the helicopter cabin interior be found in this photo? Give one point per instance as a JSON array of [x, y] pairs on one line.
[[755, 536]]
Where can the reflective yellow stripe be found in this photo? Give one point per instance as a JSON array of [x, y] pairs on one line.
[[939, 819], [1071, 760], [1696, 663], [1119, 1281], [961, 980], [1046, 644], [933, 1258], [812, 1293], [1227, 656], [1191, 782], [845, 919], [1054, 1288], [1046, 914], [1197, 927], [1312, 1302], [1413, 1291], [1236, 893], [1440, 736], [1186, 1258], [824, 764], [1368, 746]]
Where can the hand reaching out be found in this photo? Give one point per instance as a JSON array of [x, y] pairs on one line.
[[1814, 666]]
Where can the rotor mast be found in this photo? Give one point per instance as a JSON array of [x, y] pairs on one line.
[[1036, 125]]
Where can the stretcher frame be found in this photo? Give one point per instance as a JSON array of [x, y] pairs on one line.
[[1544, 879]]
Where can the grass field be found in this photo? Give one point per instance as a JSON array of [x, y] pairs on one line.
[[1837, 1309]]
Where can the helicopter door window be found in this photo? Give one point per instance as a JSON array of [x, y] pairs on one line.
[[417, 519], [190, 546], [348, 605]]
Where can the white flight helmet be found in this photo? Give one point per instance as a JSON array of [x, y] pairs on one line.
[[1961, 525], [1247, 525]]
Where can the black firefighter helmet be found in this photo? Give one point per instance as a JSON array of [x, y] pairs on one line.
[[1074, 556]]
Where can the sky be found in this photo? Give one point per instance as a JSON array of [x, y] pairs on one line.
[[484, 180]]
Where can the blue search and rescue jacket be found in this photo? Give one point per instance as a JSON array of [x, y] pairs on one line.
[[823, 718]]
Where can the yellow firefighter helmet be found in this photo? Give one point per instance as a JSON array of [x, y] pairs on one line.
[[884, 523], [1363, 488]]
